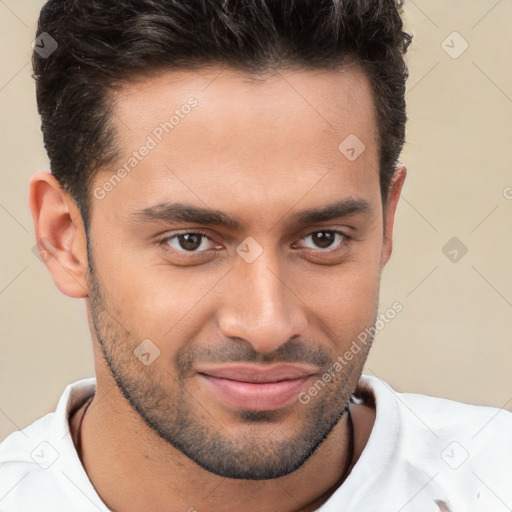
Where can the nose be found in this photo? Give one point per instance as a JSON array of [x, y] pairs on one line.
[[261, 307]]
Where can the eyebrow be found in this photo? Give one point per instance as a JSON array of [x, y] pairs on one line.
[[182, 212]]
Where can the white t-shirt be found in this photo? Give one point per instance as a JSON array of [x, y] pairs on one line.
[[424, 454]]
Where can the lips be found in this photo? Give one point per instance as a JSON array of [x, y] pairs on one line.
[[255, 387]]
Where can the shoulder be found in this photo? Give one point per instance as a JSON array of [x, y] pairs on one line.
[[447, 418], [35, 460], [20, 445], [25, 458], [463, 450], [439, 415]]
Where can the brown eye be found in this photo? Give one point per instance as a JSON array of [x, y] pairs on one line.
[[325, 239], [188, 242]]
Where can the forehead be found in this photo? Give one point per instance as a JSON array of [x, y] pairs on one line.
[[336, 99], [216, 133]]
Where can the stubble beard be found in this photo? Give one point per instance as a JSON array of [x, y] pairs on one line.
[[167, 407]]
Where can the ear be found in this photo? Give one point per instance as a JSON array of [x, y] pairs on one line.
[[395, 188], [60, 234]]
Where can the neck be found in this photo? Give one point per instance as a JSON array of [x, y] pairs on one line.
[[115, 442]]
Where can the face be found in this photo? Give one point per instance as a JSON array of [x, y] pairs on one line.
[[237, 257]]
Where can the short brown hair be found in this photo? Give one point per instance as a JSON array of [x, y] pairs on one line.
[[102, 43]]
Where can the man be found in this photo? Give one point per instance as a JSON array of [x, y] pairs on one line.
[[223, 191]]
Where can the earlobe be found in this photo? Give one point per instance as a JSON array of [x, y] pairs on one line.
[[60, 234], [395, 189]]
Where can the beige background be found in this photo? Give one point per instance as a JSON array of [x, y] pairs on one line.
[[453, 337]]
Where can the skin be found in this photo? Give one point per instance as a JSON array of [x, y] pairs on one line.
[[260, 151]]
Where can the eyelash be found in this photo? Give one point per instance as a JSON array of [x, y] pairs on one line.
[[165, 242]]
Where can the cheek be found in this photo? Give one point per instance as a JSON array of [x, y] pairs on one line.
[[158, 302], [347, 303], [346, 294]]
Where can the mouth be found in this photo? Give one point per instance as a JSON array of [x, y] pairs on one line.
[[257, 388]]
